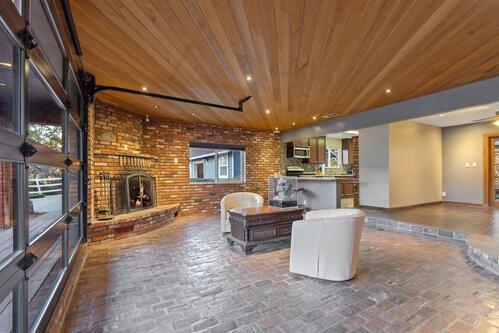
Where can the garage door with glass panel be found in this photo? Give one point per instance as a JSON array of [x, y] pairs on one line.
[[40, 167]]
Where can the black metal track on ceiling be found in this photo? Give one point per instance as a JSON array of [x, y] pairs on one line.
[[238, 108], [90, 88]]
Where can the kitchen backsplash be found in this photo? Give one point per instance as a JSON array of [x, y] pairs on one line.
[[308, 167], [342, 170]]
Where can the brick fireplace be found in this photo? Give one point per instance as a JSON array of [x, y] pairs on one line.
[[121, 143]]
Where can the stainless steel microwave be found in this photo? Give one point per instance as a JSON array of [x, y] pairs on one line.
[[301, 152]]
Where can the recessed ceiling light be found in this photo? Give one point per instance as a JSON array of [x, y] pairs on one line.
[[294, 124], [144, 88], [314, 117], [267, 111], [156, 106], [6, 64], [248, 78], [388, 91]]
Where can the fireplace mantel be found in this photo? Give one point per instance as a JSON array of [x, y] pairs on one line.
[[131, 160]]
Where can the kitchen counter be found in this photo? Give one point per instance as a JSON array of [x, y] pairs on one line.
[[322, 178], [320, 192]]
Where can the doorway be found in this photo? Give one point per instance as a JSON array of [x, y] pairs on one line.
[[491, 170]]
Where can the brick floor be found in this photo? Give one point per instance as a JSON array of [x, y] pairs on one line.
[[184, 278]]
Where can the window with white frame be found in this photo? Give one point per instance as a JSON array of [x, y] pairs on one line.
[[333, 158], [223, 166]]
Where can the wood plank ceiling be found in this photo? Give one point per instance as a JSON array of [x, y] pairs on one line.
[[306, 58]]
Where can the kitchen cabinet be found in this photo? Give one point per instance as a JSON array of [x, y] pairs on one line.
[[301, 143], [346, 151], [346, 188], [317, 149]]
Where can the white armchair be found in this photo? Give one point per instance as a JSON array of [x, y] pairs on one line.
[[326, 244], [237, 200]]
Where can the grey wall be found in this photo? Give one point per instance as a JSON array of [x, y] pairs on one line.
[[374, 166], [462, 144]]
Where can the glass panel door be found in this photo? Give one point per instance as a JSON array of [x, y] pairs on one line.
[[41, 207]]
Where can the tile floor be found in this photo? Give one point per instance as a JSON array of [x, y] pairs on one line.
[[450, 216], [183, 278]]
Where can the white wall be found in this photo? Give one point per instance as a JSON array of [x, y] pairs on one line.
[[461, 145], [415, 164], [400, 164], [373, 166]]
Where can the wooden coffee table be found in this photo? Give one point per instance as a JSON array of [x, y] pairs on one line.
[[254, 226]]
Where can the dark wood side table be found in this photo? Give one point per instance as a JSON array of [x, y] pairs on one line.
[[254, 226]]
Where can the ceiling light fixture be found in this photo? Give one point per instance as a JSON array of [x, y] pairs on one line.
[[248, 78], [388, 91], [2, 84], [314, 117], [330, 115], [441, 115], [496, 123], [267, 111], [6, 64], [144, 88]]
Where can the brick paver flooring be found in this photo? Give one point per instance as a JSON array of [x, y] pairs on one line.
[[184, 278]]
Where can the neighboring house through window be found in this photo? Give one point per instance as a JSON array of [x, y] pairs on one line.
[[213, 163]]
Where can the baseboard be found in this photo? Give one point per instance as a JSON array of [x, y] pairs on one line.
[[391, 209], [460, 203], [56, 323]]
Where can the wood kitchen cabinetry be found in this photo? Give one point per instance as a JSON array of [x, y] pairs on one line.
[[347, 151], [317, 150], [347, 188]]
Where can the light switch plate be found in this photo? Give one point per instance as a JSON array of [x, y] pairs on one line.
[[467, 164], [473, 164]]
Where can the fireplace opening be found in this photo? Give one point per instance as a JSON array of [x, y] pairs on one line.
[[139, 191]]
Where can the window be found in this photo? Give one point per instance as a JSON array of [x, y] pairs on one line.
[[45, 198], [8, 82], [47, 38], [333, 158], [210, 163], [223, 165], [45, 116], [8, 178]]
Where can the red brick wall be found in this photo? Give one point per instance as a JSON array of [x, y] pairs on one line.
[[90, 167], [118, 131]]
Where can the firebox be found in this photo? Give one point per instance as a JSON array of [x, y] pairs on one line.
[[140, 191]]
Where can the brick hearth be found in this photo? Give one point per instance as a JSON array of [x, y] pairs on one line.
[[131, 224]]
